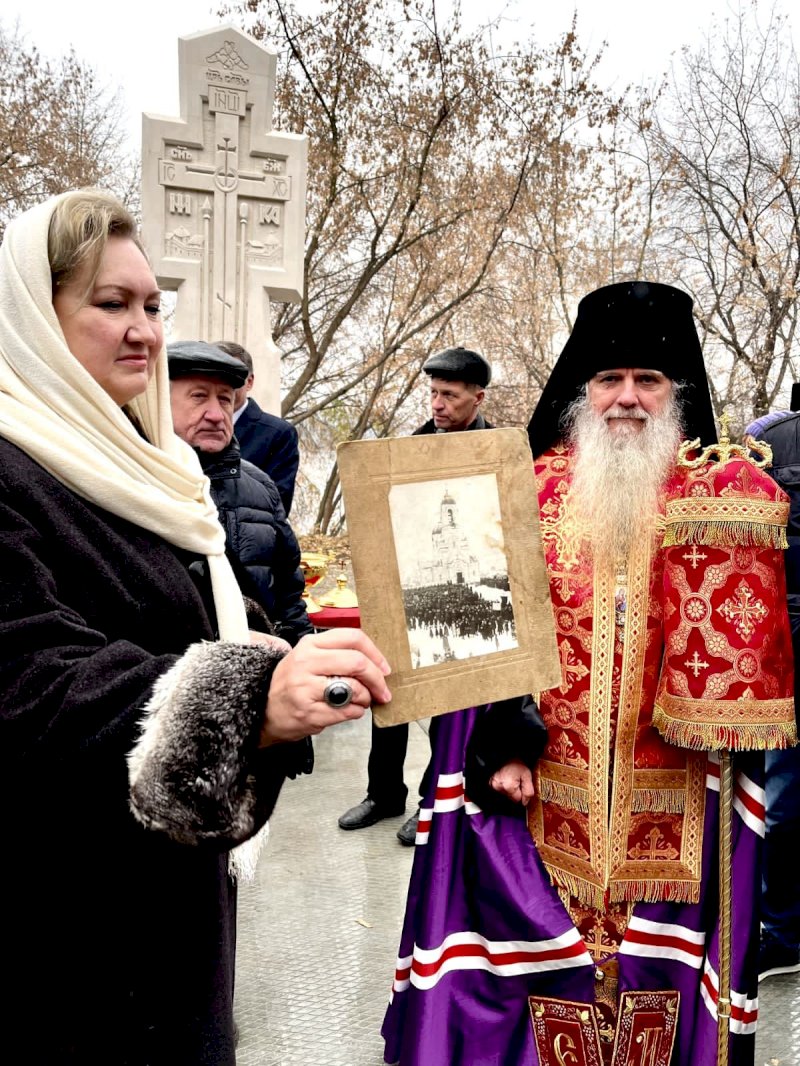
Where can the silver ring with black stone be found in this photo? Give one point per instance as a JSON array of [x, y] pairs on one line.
[[338, 692]]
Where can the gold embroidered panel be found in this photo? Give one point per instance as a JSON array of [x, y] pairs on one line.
[[617, 810]]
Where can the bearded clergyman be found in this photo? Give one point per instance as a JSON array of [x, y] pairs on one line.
[[564, 903]]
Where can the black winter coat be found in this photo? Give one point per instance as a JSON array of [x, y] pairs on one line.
[[260, 538], [783, 436], [270, 443], [117, 941]]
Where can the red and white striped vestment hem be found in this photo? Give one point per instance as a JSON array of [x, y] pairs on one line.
[[504, 958]]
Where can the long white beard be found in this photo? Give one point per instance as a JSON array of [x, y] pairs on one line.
[[618, 476]]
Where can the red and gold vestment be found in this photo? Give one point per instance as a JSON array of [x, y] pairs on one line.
[[618, 811]]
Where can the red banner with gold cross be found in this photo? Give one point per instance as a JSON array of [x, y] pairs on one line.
[[727, 680]]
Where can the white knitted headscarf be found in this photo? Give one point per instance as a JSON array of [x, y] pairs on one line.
[[55, 411]]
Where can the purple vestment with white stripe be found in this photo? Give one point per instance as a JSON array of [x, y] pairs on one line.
[[484, 929]]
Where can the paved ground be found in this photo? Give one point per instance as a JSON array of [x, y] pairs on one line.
[[319, 928]]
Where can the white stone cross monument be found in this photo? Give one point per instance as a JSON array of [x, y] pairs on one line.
[[223, 200]]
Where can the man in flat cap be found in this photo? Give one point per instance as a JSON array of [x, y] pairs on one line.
[[459, 378], [260, 541], [548, 888], [458, 381]]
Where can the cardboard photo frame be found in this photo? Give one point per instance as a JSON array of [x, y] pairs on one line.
[[369, 470]]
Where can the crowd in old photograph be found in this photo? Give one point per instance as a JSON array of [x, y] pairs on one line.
[[458, 610]]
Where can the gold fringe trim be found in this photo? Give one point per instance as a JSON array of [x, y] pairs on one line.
[[563, 895], [708, 736], [751, 509], [742, 711], [725, 534], [670, 800], [569, 796], [647, 891], [582, 890]]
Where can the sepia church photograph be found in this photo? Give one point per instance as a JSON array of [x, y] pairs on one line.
[[449, 543]]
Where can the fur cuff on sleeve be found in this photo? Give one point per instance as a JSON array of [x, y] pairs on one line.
[[191, 772]]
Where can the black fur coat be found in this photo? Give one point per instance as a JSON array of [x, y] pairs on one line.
[[117, 929]]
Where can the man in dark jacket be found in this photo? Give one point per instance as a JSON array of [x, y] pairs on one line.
[[779, 951], [458, 381], [260, 541], [269, 442]]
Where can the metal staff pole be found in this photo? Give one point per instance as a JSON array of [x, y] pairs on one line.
[[725, 904]]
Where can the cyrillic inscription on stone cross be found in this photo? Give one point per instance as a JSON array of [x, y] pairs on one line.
[[223, 200]]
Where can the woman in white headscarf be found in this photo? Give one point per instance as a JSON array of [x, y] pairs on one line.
[[135, 748]]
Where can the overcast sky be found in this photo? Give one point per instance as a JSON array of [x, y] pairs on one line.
[[134, 46]]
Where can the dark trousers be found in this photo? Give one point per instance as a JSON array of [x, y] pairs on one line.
[[385, 784], [385, 767]]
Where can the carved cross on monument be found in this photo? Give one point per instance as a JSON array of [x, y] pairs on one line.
[[223, 200]]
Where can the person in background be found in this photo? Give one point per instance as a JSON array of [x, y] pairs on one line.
[[779, 951], [203, 383], [145, 733], [458, 382], [266, 441]]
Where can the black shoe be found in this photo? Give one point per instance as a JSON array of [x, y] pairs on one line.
[[774, 958], [407, 833], [368, 812]]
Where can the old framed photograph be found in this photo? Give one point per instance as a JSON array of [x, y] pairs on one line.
[[449, 568]]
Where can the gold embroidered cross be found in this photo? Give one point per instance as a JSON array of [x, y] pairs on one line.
[[694, 556], [565, 752], [744, 484], [599, 943], [655, 848], [565, 840], [744, 611], [571, 668], [563, 583], [696, 664]]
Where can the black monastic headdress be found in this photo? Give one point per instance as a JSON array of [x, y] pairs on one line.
[[633, 323]]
